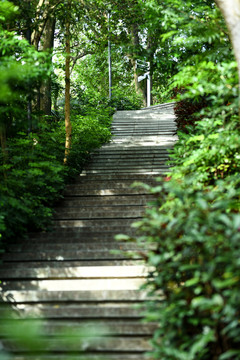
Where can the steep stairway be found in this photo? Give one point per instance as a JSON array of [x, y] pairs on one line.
[[70, 277]]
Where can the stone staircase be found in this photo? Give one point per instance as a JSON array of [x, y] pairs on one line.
[[70, 277]]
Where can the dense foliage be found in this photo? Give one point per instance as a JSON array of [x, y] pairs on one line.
[[32, 173], [195, 233]]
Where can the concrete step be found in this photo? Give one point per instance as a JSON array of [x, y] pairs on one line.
[[133, 141], [160, 106], [60, 269], [137, 344], [97, 224], [160, 114], [112, 150], [163, 142], [81, 271], [128, 163], [114, 177], [117, 133], [130, 157], [123, 134], [141, 170], [78, 234], [109, 213], [61, 246], [93, 356], [106, 185], [45, 296], [118, 128], [156, 148], [63, 255], [84, 246], [91, 285], [110, 326], [118, 201], [77, 190], [59, 239], [121, 168], [140, 123]]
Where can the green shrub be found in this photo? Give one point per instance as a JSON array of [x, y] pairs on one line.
[[32, 172], [31, 181], [127, 100], [204, 152], [194, 236], [185, 111], [88, 133]]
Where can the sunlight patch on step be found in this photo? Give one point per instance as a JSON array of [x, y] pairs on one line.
[[145, 116], [87, 272], [107, 271], [87, 285], [155, 140]]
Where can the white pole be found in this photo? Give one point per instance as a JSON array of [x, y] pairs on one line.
[[148, 87], [148, 90], [109, 59]]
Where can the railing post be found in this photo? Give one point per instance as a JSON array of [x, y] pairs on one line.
[[109, 58], [149, 86], [147, 75]]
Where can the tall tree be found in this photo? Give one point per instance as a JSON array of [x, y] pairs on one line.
[[47, 42], [231, 12], [44, 10], [68, 124]]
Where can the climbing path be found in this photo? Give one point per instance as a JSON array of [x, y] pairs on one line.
[[70, 277]]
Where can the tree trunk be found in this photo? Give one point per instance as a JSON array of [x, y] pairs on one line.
[[68, 125], [139, 87], [47, 45], [231, 12], [44, 10], [3, 140], [40, 21]]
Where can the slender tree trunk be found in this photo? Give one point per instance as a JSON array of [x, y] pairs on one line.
[[231, 12], [68, 124], [3, 139], [29, 104], [47, 44], [3, 143]]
